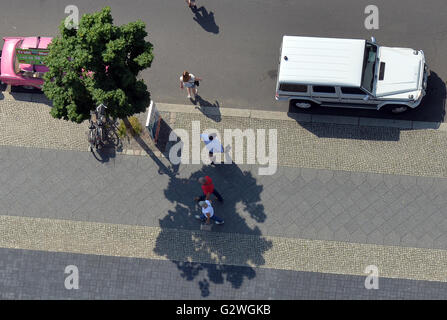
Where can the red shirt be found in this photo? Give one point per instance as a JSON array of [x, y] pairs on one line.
[[208, 187]]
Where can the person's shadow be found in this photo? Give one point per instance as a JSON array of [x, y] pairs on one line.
[[210, 110], [206, 19]]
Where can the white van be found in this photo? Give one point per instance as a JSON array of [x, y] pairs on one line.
[[350, 73]]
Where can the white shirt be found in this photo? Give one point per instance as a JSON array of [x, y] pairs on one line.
[[212, 145], [208, 209], [190, 83]]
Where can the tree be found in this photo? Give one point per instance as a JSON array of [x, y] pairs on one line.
[[98, 63]]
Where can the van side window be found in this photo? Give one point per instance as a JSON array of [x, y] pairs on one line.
[[292, 87], [352, 90], [324, 89]]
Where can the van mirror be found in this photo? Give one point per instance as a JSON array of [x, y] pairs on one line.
[[366, 98], [373, 40]]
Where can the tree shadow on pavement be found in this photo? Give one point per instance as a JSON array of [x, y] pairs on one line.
[[206, 20], [210, 110], [228, 252]]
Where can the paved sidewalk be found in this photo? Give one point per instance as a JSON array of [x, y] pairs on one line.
[[318, 145], [39, 275], [345, 183], [295, 202], [221, 248]]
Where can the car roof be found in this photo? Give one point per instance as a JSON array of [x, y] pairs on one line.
[[321, 61]]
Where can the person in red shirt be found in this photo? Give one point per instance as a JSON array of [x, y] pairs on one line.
[[208, 189]]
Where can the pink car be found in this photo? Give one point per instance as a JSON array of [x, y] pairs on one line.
[[18, 74]]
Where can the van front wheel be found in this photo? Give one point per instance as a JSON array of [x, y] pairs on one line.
[[302, 104], [394, 108]]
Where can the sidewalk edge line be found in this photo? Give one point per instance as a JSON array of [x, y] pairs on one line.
[[310, 118]]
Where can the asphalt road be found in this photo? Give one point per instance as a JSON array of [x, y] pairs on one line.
[[234, 45]]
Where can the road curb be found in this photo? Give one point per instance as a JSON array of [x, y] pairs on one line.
[[303, 117]]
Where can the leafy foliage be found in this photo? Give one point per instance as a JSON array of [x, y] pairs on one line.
[[98, 63], [133, 126], [136, 126], [122, 132]]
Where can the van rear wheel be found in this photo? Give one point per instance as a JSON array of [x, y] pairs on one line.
[[302, 104], [394, 108]]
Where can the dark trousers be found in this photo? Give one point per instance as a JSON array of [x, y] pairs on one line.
[[215, 192]]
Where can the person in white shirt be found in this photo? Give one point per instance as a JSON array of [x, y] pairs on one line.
[[208, 213], [213, 145], [188, 80]]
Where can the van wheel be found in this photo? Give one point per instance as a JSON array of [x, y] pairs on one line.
[[302, 104], [394, 108]]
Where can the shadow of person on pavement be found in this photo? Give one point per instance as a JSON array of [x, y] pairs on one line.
[[182, 241], [210, 110], [206, 20]]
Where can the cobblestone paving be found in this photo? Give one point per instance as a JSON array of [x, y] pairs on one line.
[[342, 147], [306, 145], [29, 124], [295, 203], [28, 274], [221, 248], [365, 185]]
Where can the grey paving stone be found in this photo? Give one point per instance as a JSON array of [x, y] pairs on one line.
[[129, 191], [358, 236], [341, 234]]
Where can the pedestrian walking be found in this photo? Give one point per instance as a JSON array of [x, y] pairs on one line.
[[213, 145], [189, 81], [191, 4], [208, 213], [208, 189]]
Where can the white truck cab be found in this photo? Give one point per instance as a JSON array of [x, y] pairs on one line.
[[350, 73]]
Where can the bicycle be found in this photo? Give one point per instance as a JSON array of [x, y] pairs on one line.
[[101, 128], [101, 121], [93, 135]]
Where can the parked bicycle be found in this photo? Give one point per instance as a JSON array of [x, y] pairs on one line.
[[97, 130], [101, 120], [93, 138]]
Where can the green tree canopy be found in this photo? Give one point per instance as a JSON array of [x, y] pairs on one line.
[[98, 63]]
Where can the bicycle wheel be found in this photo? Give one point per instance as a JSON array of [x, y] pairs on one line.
[[101, 134], [91, 138], [98, 136]]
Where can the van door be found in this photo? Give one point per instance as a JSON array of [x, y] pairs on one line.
[[279, 68], [324, 93], [356, 96]]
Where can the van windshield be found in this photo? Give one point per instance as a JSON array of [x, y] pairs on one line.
[[369, 66]]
